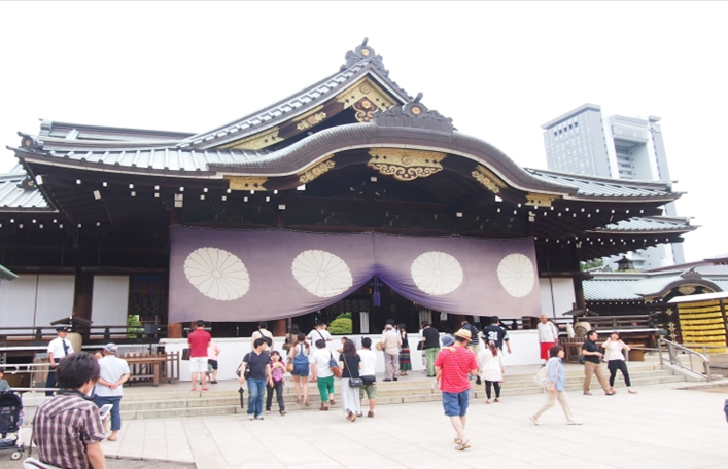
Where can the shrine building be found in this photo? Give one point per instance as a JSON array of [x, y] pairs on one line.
[[350, 196]]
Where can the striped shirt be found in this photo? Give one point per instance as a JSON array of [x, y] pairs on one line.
[[62, 427]]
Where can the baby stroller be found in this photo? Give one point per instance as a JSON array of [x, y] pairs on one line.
[[12, 417]]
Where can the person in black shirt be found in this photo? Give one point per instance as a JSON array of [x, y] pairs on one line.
[[260, 375], [473, 345], [592, 355], [498, 334], [431, 344]]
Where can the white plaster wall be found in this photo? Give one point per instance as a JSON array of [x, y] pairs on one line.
[[564, 296], [525, 345]]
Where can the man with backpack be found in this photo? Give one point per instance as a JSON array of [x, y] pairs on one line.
[[264, 333]]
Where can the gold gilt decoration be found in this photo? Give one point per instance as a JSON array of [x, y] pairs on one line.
[[247, 183], [366, 88], [257, 141], [488, 179], [323, 166], [404, 164], [687, 289], [364, 110], [540, 200], [310, 118]]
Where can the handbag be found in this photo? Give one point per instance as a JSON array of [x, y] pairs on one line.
[[185, 355], [419, 345], [353, 382], [582, 359], [542, 377], [334, 366], [240, 371]]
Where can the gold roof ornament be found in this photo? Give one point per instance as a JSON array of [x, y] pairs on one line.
[[536, 199], [405, 164], [491, 182], [257, 141], [323, 166], [246, 183]]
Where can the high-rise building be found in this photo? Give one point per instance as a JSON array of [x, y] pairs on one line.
[[626, 148]]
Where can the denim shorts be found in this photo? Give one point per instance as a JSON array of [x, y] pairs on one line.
[[300, 370], [456, 403]]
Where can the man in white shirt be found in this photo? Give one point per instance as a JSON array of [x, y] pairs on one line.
[[110, 386], [58, 349], [320, 366], [318, 332], [548, 335], [367, 373], [262, 332], [390, 346]]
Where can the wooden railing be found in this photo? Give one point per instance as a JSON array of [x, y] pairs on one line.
[[150, 368]]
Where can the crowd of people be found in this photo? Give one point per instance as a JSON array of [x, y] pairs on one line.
[[455, 359]]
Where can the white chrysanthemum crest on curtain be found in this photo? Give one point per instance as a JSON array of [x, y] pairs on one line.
[[216, 273], [515, 273], [322, 273], [436, 273]]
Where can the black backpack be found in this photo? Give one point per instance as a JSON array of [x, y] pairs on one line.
[[267, 339]]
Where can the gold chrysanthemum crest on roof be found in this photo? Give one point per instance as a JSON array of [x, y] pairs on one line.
[[488, 179], [366, 97], [320, 168], [404, 164], [246, 183]]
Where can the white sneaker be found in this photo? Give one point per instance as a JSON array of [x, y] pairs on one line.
[[573, 422], [534, 420]]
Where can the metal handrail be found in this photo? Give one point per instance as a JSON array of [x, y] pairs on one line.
[[672, 356]]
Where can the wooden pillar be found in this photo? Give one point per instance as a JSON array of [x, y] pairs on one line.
[[82, 300], [579, 292], [279, 328], [174, 330]]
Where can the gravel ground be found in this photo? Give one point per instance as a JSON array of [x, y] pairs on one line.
[[7, 463]]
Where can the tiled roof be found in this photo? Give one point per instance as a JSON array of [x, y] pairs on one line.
[[650, 224], [296, 104], [595, 290], [6, 274], [601, 187], [162, 159], [637, 286], [15, 196]]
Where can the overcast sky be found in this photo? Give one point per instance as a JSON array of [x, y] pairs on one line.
[[500, 70]]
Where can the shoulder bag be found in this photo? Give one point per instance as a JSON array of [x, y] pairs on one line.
[[334, 366], [542, 377], [353, 382]]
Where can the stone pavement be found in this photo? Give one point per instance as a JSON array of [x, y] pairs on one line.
[[660, 427]]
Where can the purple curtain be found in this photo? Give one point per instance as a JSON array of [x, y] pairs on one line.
[[273, 274]]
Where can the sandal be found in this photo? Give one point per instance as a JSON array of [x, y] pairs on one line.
[[463, 445], [298, 400], [332, 402], [457, 440], [306, 403], [631, 391]]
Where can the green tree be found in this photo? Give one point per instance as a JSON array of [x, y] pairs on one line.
[[341, 325]]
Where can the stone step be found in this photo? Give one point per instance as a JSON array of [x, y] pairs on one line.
[[227, 402], [404, 385]]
